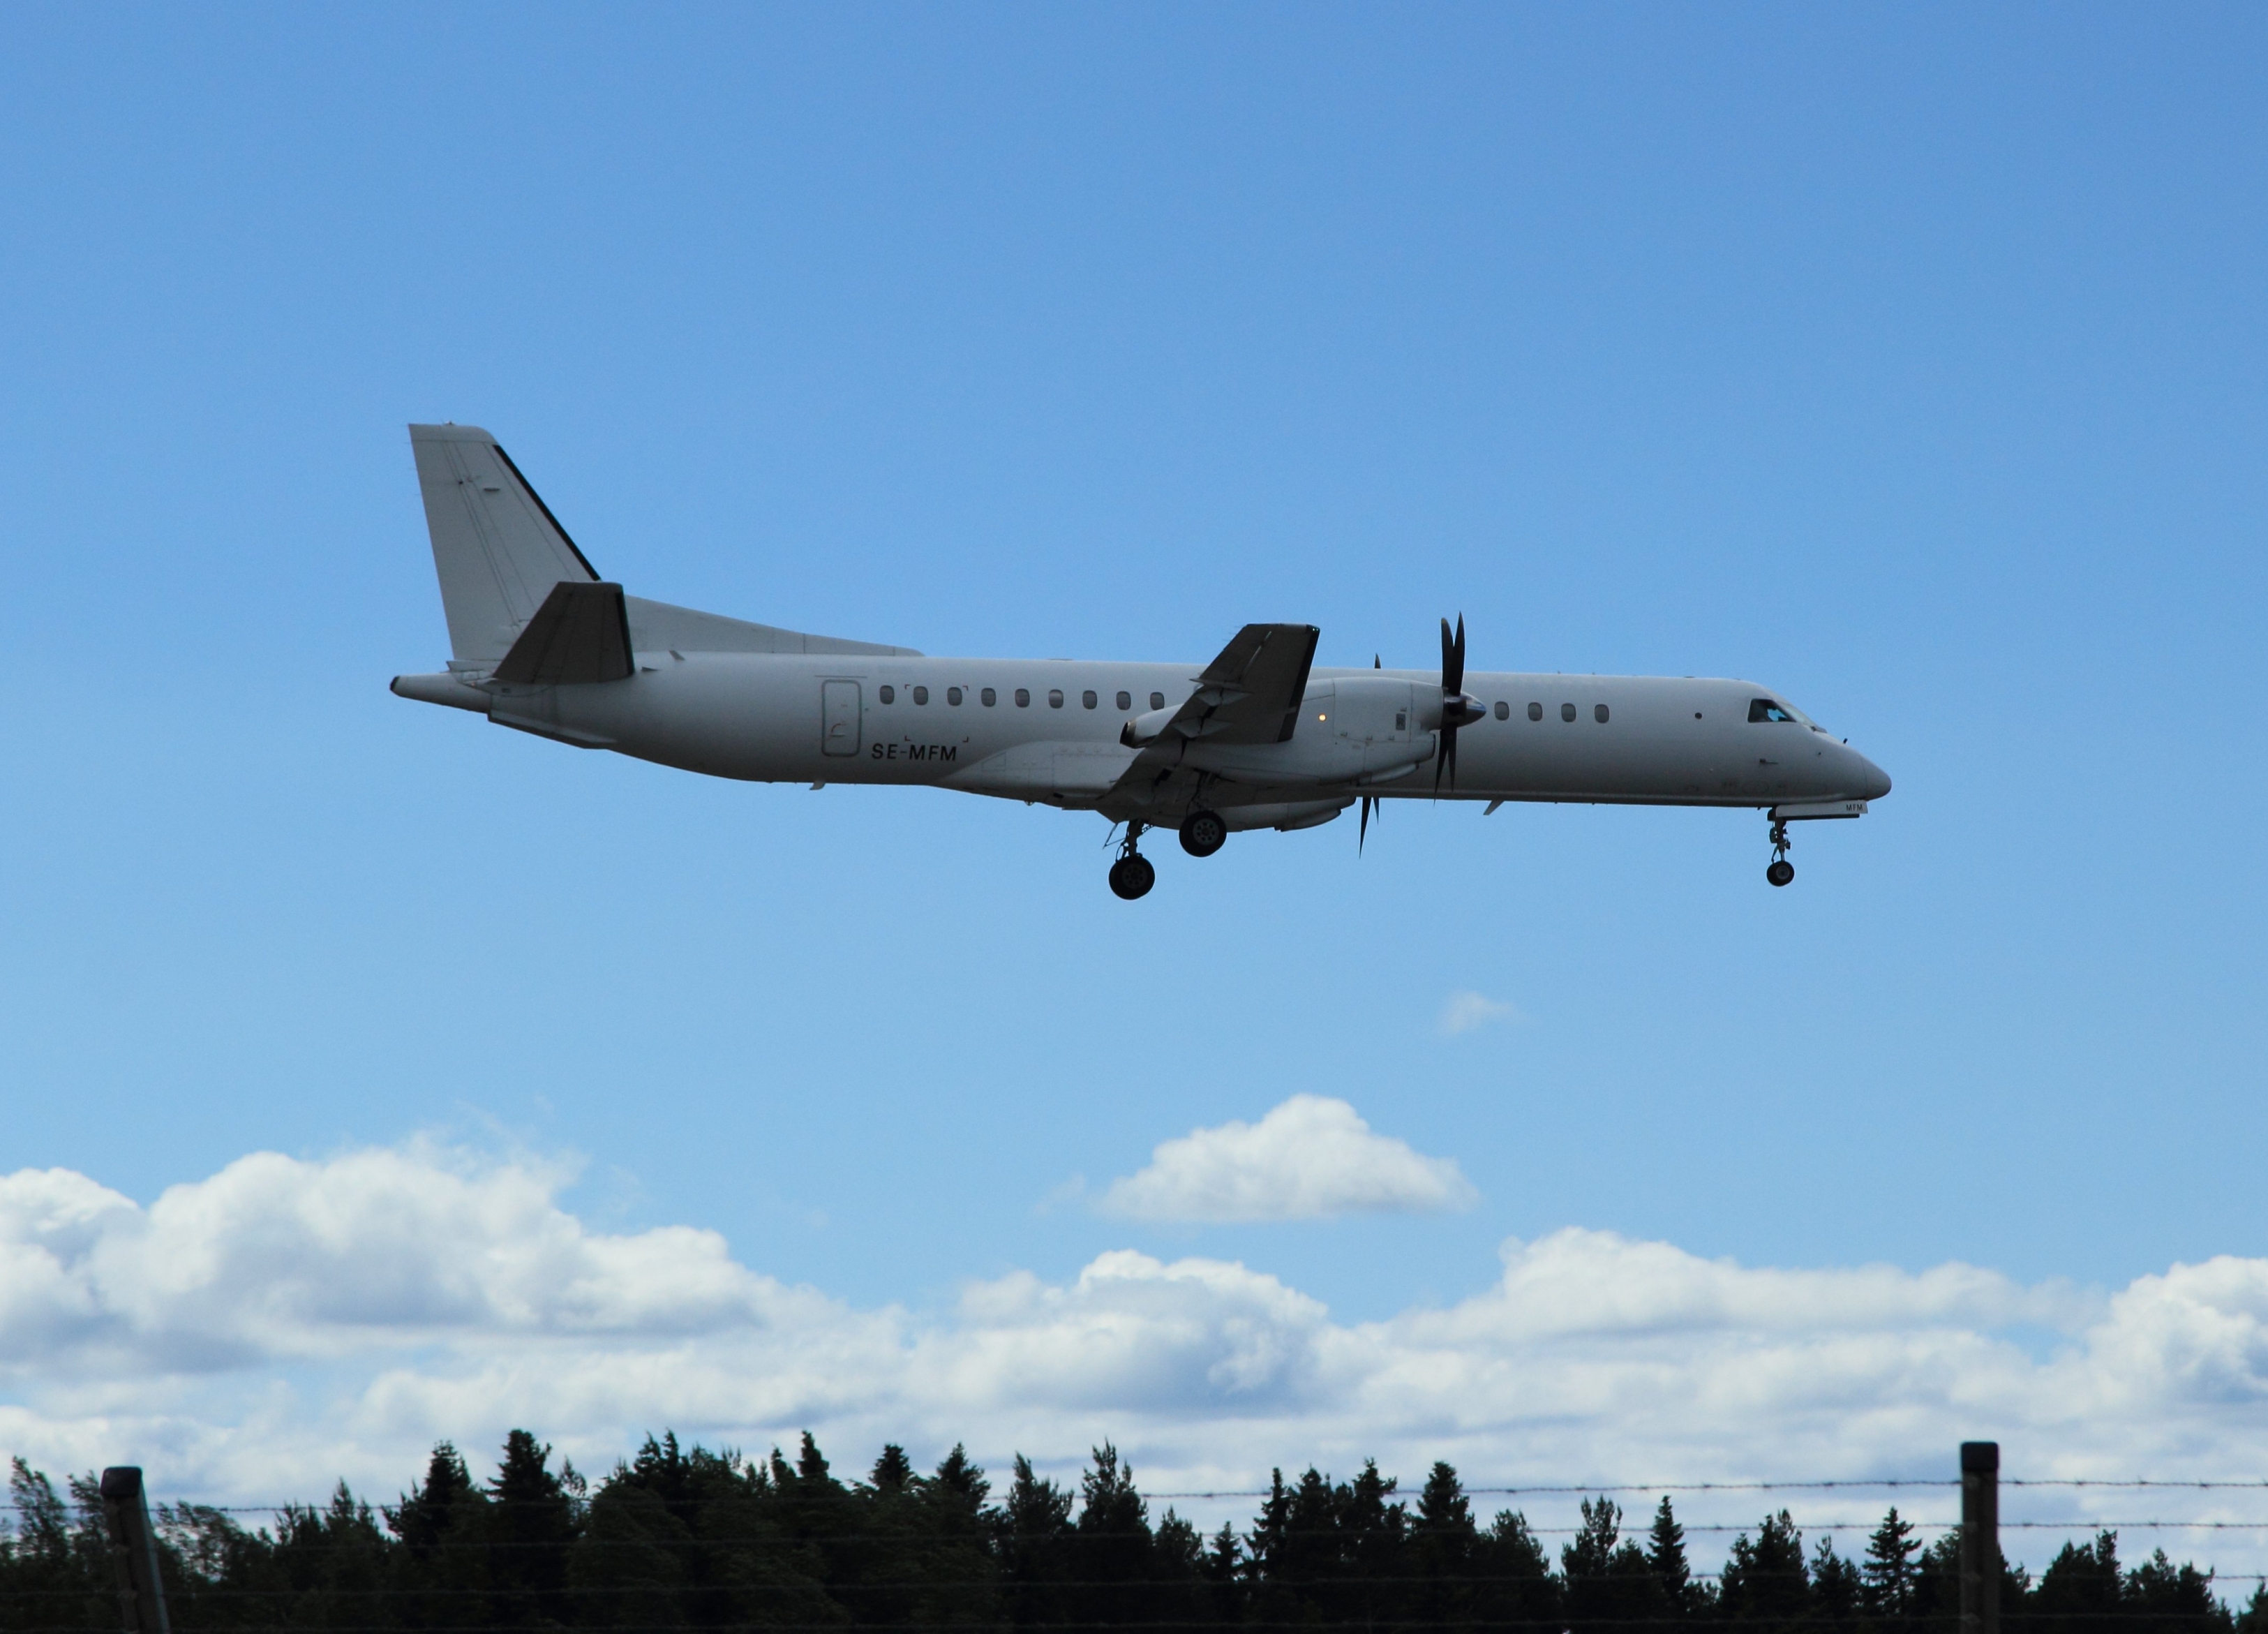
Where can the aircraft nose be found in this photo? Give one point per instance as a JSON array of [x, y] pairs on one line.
[[1872, 780]]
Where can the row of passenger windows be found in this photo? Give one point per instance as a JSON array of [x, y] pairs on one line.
[[988, 697], [1759, 709], [1124, 700], [1566, 712]]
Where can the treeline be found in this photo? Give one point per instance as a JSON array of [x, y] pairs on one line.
[[685, 1538]]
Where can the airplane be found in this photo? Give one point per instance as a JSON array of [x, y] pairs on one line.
[[1259, 738]]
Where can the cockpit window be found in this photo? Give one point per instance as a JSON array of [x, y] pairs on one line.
[[1764, 709]]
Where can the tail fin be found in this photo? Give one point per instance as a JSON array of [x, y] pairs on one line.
[[496, 546]]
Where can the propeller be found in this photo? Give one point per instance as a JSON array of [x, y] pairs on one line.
[[1457, 710]]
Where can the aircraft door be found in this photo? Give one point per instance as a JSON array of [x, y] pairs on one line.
[[838, 718]]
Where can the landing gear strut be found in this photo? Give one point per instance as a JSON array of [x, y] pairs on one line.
[[1132, 875], [1202, 833], [1782, 871]]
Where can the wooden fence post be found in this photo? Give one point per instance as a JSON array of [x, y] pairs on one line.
[[1980, 1537], [133, 1552]]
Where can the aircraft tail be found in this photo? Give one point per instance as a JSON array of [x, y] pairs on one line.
[[497, 547]]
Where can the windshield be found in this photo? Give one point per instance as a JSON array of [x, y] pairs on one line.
[[1772, 709]]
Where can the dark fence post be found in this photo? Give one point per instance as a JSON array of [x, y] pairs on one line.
[[133, 1552], [1980, 1537]]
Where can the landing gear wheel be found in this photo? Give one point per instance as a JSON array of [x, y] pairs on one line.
[[1131, 876], [1782, 871], [1202, 833]]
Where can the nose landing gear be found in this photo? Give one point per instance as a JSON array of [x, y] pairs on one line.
[[1132, 875], [1782, 871]]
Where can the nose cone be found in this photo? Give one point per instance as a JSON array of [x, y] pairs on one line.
[[1873, 782]]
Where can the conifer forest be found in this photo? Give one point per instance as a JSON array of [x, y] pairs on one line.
[[685, 1538]]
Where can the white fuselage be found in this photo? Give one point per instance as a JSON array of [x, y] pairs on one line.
[[1051, 731]]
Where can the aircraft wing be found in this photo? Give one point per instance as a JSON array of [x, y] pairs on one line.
[[1251, 693]]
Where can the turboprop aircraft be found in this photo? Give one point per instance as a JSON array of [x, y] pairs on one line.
[[1257, 738]]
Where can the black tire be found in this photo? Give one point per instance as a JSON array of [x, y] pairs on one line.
[[1132, 877], [1781, 873], [1202, 833]]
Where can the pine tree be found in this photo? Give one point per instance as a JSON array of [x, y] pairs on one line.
[[442, 1523], [2162, 1598], [1610, 1583], [1110, 1546], [1443, 1542], [1035, 1530], [1515, 1590], [534, 1519], [2083, 1589], [1664, 1558], [1837, 1586], [2254, 1618], [961, 1481], [1766, 1582], [894, 1471], [432, 1509], [1889, 1571]]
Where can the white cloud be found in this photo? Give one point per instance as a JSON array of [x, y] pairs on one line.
[[1311, 1156], [258, 1334], [1464, 1010]]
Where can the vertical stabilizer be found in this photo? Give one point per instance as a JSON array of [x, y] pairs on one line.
[[496, 546]]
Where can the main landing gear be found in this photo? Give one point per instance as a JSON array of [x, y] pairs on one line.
[[1782, 871], [1202, 833], [1132, 875]]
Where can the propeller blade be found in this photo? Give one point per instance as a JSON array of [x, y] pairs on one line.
[[1362, 836], [1453, 688]]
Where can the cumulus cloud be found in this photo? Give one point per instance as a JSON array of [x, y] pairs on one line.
[[1465, 1010], [1310, 1158], [258, 1334]]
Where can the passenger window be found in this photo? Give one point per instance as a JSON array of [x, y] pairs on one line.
[[1503, 710], [1023, 697], [988, 697], [921, 694], [889, 695], [1087, 698], [953, 694], [1157, 700], [1535, 711], [1567, 711], [1764, 709], [1055, 697], [1125, 700], [1600, 713]]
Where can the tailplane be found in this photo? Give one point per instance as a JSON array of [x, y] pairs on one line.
[[496, 546], [524, 604]]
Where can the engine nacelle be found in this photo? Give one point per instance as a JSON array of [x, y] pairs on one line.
[[1354, 730], [1142, 730]]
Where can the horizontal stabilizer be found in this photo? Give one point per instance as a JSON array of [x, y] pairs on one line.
[[581, 632]]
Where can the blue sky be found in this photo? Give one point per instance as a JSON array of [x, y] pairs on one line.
[[1907, 359]]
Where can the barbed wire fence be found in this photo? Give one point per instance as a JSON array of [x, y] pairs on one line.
[[1971, 1523]]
